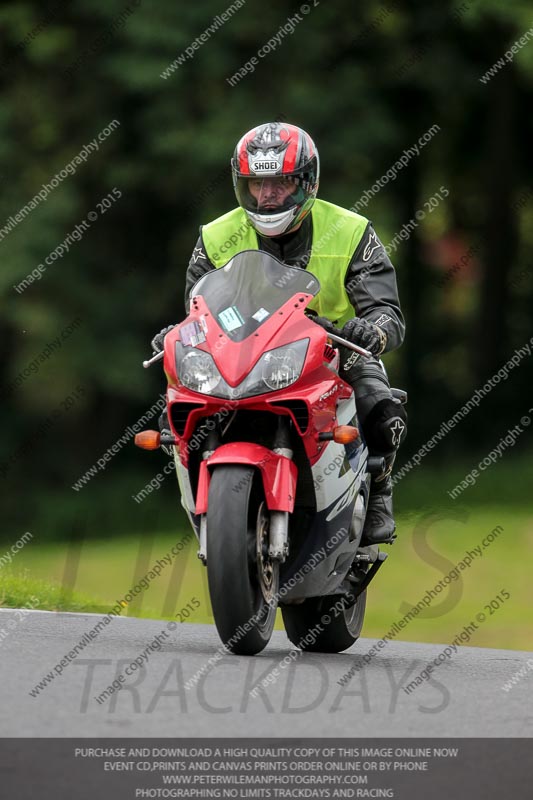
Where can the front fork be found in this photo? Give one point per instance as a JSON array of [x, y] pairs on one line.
[[213, 440], [278, 533], [279, 520]]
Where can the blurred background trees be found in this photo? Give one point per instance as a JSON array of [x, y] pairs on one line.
[[366, 82]]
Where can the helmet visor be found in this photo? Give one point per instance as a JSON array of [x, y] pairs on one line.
[[271, 194]]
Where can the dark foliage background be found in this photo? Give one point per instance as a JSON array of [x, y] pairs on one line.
[[366, 81]]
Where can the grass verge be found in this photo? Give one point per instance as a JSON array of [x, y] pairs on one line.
[[20, 590], [430, 542]]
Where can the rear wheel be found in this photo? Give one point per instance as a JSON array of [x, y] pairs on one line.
[[243, 580], [321, 625]]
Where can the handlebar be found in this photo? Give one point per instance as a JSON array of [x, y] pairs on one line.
[[349, 345], [150, 361], [332, 336]]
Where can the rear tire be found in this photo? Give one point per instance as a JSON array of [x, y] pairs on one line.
[[243, 581], [342, 630]]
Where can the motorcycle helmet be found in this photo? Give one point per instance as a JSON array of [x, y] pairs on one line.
[[275, 170]]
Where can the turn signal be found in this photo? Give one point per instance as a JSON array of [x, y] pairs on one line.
[[345, 434], [148, 440]]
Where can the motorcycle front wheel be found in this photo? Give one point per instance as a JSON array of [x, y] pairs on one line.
[[243, 580]]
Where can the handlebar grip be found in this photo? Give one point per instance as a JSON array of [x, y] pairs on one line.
[[150, 361]]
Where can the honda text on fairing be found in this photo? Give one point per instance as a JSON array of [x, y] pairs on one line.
[[273, 470]]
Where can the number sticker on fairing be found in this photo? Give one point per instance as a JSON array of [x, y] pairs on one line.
[[260, 314], [230, 319], [191, 334]]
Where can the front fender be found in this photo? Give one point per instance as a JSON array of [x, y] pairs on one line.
[[278, 473]]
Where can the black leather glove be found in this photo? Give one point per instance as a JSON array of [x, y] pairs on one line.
[[365, 334], [325, 323], [158, 340]]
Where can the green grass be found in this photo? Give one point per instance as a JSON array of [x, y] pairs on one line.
[[429, 544], [434, 532], [22, 590]]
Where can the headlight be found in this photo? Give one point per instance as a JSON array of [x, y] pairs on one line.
[[276, 369], [197, 371], [281, 367]]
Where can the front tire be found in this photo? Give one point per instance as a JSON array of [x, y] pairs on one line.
[[243, 581], [307, 629]]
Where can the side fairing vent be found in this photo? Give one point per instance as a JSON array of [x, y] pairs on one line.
[[180, 412], [299, 411], [329, 352]]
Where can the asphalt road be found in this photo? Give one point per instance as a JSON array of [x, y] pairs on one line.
[[463, 697]]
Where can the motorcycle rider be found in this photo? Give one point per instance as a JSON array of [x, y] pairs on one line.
[[275, 169]]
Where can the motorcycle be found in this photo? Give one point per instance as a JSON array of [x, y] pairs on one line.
[[273, 468]]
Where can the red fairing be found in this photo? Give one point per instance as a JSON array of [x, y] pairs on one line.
[[227, 353], [279, 474], [317, 387], [169, 361], [202, 493]]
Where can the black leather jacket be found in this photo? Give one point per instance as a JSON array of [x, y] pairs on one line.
[[370, 279]]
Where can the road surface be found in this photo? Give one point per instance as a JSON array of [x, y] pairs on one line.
[[463, 696]]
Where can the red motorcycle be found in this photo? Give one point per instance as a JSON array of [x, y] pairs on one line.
[[273, 470]]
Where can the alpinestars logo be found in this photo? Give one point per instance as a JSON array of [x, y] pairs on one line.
[[382, 320], [372, 245], [397, 431], [351, 360], [197, 254]]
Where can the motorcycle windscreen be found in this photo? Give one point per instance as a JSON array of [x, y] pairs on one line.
[[249, 289]]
